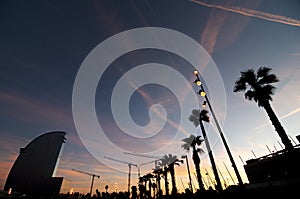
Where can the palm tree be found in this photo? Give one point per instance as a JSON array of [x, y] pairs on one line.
[[192, 142], [142, 186], [172, 161], [148, 178], [154, 187], [163, 163], [158, 172], [257, 86], [198, 118]]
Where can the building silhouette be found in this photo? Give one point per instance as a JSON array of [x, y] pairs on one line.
[[33, 170], [277, 168]]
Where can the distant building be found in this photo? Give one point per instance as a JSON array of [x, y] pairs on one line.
[[281, 167], [33, 170]]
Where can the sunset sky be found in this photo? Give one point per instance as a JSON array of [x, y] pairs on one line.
[[143, 97]]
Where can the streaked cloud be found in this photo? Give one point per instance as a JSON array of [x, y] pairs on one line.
[[212, 29], [293, 112], [163, 100], [19, 105], [253, 13]]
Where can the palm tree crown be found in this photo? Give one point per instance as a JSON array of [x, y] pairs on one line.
[[169, 161], [191, 142], [257, 86]]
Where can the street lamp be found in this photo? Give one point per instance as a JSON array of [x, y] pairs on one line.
[[188, 168], [203, 94]]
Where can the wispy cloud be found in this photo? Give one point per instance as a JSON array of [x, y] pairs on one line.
[[253, 13], [163, 101], [19, 105], [293, 112], [6, 163], [212, 30], [8, 154]]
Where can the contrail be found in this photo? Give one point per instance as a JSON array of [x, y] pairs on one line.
[[297, 110], [253, 13], [293, 112]]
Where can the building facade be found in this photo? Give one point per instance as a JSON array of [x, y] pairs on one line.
[[32, 171]]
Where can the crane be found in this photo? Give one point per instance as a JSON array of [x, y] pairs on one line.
[[146, 156], [129, 166], [90, 174]]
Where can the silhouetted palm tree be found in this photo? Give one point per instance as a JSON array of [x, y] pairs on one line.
[[192, 142], [158, 172], [198, 117], [163, 163], [148, 178], [172, 161], [142, 186], [257, 87], [168, 161]]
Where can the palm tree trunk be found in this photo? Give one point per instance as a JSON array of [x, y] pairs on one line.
[[196, 160], [149, 187], [166, 181], [158, 185], [211, 157], [174, 188], [278, 127]]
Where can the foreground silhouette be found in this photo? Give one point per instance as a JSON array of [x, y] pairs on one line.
[[232, 191], [193, 142], [257, 87], [198, 117]]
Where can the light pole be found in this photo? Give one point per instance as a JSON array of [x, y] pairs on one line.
[[203, 94], [188, 168]]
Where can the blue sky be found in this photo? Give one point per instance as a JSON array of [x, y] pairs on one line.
[[45, 43]]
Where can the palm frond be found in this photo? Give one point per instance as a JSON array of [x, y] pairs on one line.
[[189, 142], [200, 151], [250, 95], [195, 120], [268, 79], [195, 117], [195, 112], [249, 77], [198, 140], [203, 115], [263, 71], [186, 147]]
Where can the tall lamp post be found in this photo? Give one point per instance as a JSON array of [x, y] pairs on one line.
[[203, 94], [188, 168]]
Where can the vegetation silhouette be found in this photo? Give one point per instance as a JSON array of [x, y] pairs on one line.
[[163, 163], [192, 142], [144, 182], [198, 117], [257, 86], [157, 173], [168, 162], [173, 160]]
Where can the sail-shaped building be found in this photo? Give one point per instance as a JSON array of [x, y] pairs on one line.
[[33, 170]]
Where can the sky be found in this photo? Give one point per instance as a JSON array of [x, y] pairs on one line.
[[117, 77]]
